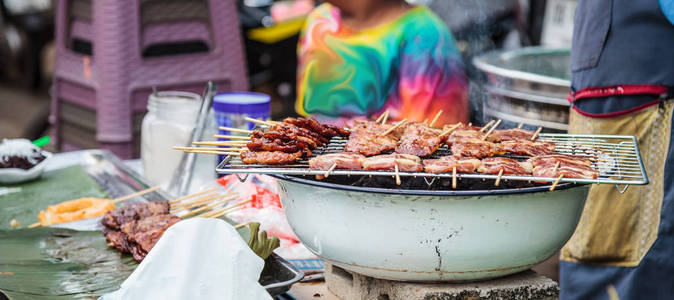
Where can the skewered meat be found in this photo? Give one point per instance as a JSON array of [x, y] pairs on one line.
[[146, 232], [514, 134], [405, 162], [419, 139], [292, 129], [325, 130], [493, 165], [445, 164], [569, 170], [365, 139], [269, 158], [118, 240], [562, 158], [265, 144], [132, 212], [527, 147], [475, 148], [285, 137], [344, 160]]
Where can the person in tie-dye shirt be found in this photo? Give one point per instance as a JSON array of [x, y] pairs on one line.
[[360, 58]]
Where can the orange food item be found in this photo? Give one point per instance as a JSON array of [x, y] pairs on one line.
[[74, 210]]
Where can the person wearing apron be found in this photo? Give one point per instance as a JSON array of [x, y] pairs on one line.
[[622, 65]]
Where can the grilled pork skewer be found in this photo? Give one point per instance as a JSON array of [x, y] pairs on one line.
[[366, 138], [494, 165], [404, 162], [449, 163], [527, 147], [343, 160], [419, 139], [475, 148]]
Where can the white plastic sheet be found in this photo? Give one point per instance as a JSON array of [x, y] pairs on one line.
[[196, 259]]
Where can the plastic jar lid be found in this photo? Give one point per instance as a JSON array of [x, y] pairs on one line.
[[241, 103]]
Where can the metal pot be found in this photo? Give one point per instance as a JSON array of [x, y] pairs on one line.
[[527, 85], [412, 235]]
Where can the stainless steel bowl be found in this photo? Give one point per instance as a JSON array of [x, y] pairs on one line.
[[412, 235], [527, 85]]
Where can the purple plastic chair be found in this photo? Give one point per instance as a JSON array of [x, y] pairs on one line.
[[110, 54]]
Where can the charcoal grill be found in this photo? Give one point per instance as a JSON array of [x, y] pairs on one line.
[[423, 230]]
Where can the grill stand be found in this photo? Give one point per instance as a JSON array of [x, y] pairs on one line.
[[525, 285]]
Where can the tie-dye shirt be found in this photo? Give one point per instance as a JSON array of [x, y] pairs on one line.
[[409, 66]]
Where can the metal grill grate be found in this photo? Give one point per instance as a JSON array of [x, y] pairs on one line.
[[617, 158]]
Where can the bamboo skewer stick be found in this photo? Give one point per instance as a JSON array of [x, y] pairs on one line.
[[555, 168], [448, 131], [398, 181], [533, 137], [383, 121], [221, 143], [401, 123], [381, 116], [554, 184], [217, 152], [226, 212], [332, 168], [436, 118], [241, 225], [136, 194], [425, 121], [492, 129], [498, 179], [259, 121], [519, 126], [195, 202], [231, 137], [206, 191], [190, 149], [34, 225], [235, 130], [211, 206], [222, 212], [486, 126], [454, 177]]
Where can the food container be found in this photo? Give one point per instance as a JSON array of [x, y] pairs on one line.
[[417, 235], [16, 175], [232, 108]]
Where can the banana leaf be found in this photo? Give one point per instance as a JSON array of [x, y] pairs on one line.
[[52, 263], [53, 187]]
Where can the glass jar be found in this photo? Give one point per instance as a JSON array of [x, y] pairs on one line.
[[169, 122]]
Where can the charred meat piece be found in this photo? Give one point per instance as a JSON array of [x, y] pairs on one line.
[[265, 144], [419, 139], [405, 162], [118, 240], [493, 165], [269, 158], [299, 131], [527, 147], [343, 160], [131, 212], [147, 231], [327, 131], [366, 139], [514, 134], [475, 148], [568, 170], [562, 158], [445, 164]]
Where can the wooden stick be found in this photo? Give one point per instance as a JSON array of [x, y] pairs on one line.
[[425, 121], [401, 123], [241, 225], [436, 118], [222, 212], [221, 143], [519, 126], [383, 121], [216, 152], [486, 125], [235, 129], [189, 149], [34, 225], [555, 168], [498, 179], [241, 149], [259, 121], [332, 168], [554, 184], [533, 137], [193, 195], [492, 129], [398, 181], [136, 194], [231, 137], [208, 206], [195, 202], [454, 177], [381, 116], [448, 131]]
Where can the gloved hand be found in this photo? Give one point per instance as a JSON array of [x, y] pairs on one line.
[[259, 243]]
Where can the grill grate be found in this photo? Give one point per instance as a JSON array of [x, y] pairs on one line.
[[617, 158]]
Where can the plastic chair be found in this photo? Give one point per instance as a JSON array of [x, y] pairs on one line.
[[110, 54]]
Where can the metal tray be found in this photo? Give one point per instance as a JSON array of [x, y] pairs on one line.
[[117, 179]]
